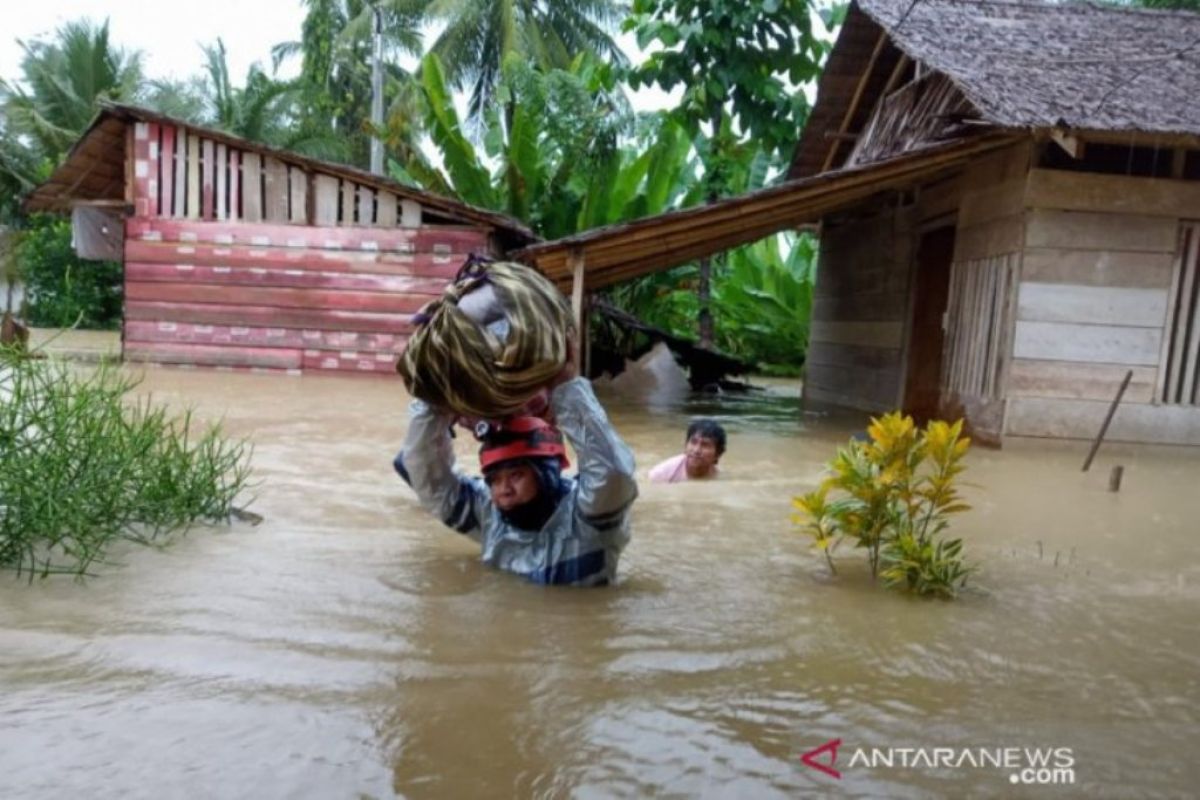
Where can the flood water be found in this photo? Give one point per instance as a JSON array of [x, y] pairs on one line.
[[350, 646]]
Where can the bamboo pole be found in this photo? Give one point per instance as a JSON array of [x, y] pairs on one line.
[[1112, 409]]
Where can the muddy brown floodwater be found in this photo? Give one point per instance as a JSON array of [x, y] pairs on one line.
[[350, 646]]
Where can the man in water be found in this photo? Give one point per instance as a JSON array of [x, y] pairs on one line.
[[527, 517], [703, 447]]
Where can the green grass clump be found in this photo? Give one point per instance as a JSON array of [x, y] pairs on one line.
[[83, 465]]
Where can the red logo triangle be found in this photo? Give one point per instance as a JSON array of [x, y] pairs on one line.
[[810, 758]]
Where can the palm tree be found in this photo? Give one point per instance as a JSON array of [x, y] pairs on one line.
[[480, 34], [66, 78], [335, 74]]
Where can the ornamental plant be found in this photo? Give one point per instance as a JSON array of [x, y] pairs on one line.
[[893, 496]]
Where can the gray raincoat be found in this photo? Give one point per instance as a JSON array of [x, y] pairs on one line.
[[581, 541]]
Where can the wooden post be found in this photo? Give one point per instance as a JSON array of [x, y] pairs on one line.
[[1104, 428], [576, 261], [1114, 479]]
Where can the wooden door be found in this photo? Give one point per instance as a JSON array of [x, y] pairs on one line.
[[931, 287]]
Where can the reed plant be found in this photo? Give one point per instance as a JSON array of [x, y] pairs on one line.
[[85, 464]]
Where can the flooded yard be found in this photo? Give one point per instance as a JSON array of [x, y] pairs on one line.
[[351, 646]]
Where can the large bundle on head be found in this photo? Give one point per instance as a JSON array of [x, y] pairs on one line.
[[496, 337]]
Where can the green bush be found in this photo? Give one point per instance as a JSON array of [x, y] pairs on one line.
[[895, 496], [60, 288], [81, 467]]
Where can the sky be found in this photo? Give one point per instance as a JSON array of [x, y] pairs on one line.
[[170, 34]]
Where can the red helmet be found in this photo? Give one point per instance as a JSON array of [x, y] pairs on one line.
[[520, 437]]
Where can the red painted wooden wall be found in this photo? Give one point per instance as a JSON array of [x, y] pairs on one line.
[[225, 265]]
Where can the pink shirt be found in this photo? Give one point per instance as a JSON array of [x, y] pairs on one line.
[[673, 470]]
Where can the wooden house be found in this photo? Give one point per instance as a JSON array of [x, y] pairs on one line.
[[243, 256], [1008, 201]]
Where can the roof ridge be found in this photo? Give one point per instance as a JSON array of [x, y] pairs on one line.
[[1076, 6]]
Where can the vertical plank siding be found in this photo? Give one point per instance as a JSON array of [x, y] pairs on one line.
[[236, 260]]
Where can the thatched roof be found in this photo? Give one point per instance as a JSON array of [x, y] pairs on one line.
[[1021, 64], [95, 170]]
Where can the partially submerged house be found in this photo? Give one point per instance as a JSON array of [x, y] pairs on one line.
[[241, 255], [1008, 201]]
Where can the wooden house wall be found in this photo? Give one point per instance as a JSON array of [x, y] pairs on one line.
[[1100, 253], [988, 242], [236, 260], [860, 302]]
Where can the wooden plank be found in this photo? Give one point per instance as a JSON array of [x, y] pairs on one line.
[[252, 198], [167, 171], [1113, 194], [270, 296], [193, 177], [268, 316], [275, 190], [1090, 231], [366, 206], [130, 189], [346, 215], [192, 333], [410, 213], [298, 186], [1190, 310], [296, 278], [179, 206], [446, 241], [867, 389], [385, 209], [940, 198], [1176, 324], [877, 307], [1102, 344], [1072, 380], [873, 334], [1114, 268], [207, 174], [992, 202], [350, 361], [1080, 419], [212, 356], [327, 200], [292, 258], [998, 237], [850, 356], [1060, 302], [222, 169], [235, 188]]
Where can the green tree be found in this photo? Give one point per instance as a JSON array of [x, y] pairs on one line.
[[64, 80], [479, 36], [559, 163], [335, 47], [740, 63]]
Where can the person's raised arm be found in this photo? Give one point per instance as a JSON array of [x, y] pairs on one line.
[[426, 463], [606, 467]]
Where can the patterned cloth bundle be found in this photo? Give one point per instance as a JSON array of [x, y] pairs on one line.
[[493, 341]]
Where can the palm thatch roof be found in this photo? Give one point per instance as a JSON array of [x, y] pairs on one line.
[[1020, 63]]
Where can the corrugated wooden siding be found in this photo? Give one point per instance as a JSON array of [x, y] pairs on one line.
[[1100, 282], [222, 268], [1180, 359], [859, 305], [979, 315]]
